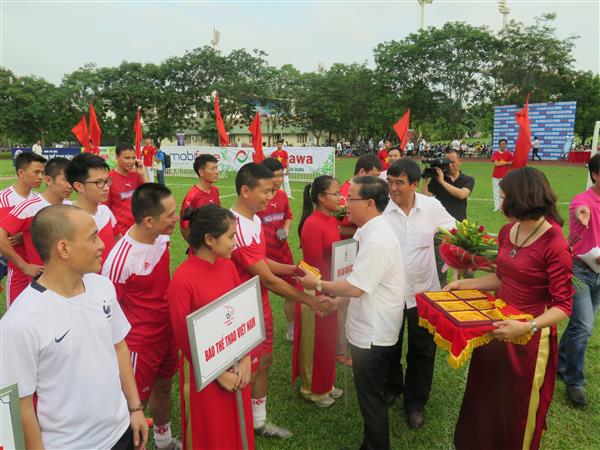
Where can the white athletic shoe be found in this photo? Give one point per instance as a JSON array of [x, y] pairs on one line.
[[336, 393], [272, 431]]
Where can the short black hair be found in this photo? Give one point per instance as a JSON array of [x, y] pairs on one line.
[[500, 140], [367, 163], [594, 166], [373, 188], [23, 160], [272, 164], [123, 146], [451, 150], [250, 175], [405, 167], [201, 161], [279, 141], [395, 148], [207, 220], [146, 201], [78, 169], [49, 225], [386, 139], [55, 166]]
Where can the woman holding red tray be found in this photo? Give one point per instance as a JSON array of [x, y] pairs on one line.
[[315, 337], [510, 386]]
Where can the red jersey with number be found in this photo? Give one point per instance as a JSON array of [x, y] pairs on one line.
[[9, 198], [140, 274], [195, 198], [148, 153], [383, 157], [106, 224], [281, 156], [273, 217], [501, 171], [119, 198]]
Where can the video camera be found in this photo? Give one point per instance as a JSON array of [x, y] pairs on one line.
[[432, 163]]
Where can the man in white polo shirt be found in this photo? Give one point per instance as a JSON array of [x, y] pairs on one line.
[[375, 309], [416, 219], [63, 341]]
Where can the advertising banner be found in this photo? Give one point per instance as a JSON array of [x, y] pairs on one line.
[[311, 161]]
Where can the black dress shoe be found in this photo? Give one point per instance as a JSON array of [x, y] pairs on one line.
[[577, 395], [415, 419]]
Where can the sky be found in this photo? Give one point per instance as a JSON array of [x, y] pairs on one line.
[[52, 38]]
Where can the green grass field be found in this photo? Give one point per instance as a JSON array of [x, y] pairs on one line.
[[341, 426]]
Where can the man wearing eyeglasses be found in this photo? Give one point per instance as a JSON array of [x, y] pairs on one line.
[[375, 309], [88, 174], [416, 219]]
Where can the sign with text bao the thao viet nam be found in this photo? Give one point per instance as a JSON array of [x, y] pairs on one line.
[[343, 255], [224, 331]]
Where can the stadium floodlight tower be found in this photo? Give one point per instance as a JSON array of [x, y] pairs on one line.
[[423, 3], [215, 39], [504, 10]]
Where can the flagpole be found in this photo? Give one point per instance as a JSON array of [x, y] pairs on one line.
[[241, 414]]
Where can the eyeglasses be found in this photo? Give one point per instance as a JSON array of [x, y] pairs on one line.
[[101, 183], [335, 194], [350, 199]]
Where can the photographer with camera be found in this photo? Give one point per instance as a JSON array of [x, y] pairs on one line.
[[452, 188], [448, 184]]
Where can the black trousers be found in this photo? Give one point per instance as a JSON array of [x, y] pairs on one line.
[[370, 367], [420, 359], [125, 442], [534, 154]]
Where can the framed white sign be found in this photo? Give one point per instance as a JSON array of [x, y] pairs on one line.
[[11, 426], [343, 255], [224, 331]]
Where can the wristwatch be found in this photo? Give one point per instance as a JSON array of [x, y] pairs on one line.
[[534, 327], [139, 407]]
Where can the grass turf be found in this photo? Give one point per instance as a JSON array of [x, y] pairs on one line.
[[341, 426]]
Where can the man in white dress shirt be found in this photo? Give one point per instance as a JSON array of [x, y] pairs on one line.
[[416, 219], [375, 309]]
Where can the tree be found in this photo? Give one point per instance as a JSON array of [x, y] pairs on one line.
[[584, 87]]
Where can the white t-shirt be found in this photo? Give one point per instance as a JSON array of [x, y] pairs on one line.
[[456, 144], [37, 149], [63, 349], [376, 316], [415, 233]]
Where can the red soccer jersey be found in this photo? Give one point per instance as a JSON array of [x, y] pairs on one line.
[[501, 171], [106, 223], [9, 198], [281, 156], [272, 218], [319, 232], [148, 153], [140, 273], [119, 198], [197, 283], [383, 157], [19, 221], [195, 198]]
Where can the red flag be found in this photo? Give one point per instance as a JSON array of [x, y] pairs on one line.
[[81, 133], [523, 144], [95, 132], [401, 128], [256, 133], [223, 136], [137, 129]]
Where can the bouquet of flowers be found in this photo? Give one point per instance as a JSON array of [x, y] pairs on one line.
[[468, 246]]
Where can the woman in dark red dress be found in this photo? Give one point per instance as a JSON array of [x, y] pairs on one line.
[[315, 337], [209, 418], [510, 386]]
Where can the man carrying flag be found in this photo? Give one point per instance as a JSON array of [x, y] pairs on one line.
[[401, 129]]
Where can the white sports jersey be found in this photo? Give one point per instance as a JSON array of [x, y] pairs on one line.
[[63, 350]]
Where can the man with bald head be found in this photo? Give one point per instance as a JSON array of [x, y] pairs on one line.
[[64, 341]]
